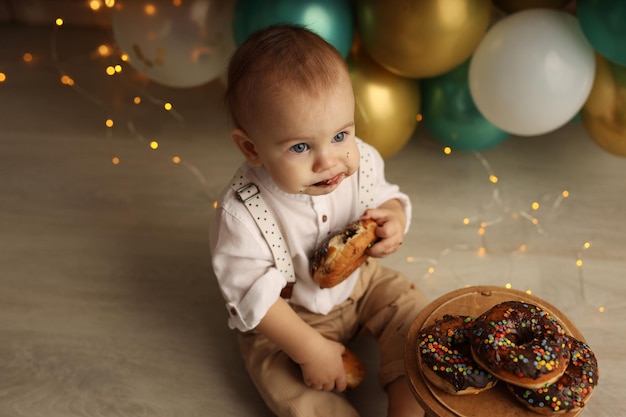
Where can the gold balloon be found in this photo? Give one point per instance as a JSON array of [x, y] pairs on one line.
[[387, 105], [419, 38], [512, 6], [604, 113]]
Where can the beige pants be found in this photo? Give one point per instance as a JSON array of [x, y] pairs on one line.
[[384, 303]]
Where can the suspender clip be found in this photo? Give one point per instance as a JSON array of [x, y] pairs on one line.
[[247, 192]]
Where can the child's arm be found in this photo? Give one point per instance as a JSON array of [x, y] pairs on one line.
[[391, 219], [318, 357]]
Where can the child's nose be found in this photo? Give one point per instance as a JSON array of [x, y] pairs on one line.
[[325, 159]]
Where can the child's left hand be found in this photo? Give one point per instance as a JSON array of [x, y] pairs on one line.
[[391, 221]]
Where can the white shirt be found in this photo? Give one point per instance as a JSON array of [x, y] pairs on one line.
[[243, 263]]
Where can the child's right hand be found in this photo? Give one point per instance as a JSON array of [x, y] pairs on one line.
[[325, 371]]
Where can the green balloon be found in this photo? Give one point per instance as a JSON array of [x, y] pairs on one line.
[[331, 19], [451, 116], [604, 24]]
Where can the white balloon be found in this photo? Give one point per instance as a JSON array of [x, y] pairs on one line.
[[532, 71], [182, 44]]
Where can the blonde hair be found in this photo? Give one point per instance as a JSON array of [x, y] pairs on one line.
[[277, 57]]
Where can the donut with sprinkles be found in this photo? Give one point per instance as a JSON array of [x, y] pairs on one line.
[[571, 391], [521, 344], [445, 358]]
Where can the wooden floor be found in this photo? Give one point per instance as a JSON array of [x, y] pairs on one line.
[[108, 306]]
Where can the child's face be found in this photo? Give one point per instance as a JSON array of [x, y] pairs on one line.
[[305, 142]]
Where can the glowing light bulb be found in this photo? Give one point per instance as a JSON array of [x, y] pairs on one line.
[[579, 263], [104, 50], [176, 159], [110, 70], [27, 57], [118, 68], [59, 21], [508, 286], [419, 117], [154, 144], [522, 247], [109, 122], [67, 80], [124, 57], [535, 221], [565, 193], [431, 270], [529, 292], [109, 3], [115, 160], [601, 309], [493, 179], [447, 150], [215, 204], [586, 245], [137, 100], [466, 220], [481, 251], [481, 231], [535, 205], [95, 5], [409, 259], [167, 106], [149, 9], [3, 77]]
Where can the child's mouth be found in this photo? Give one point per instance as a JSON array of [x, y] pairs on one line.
[[326, 183]]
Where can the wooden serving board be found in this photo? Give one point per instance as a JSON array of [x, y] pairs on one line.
[[471, 301]]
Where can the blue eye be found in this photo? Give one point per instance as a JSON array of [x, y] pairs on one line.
[[299, 148], [339, 137]]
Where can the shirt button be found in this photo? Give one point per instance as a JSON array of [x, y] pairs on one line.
[[324, 218]]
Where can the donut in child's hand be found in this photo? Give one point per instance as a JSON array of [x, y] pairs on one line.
[[521, 344], [342, 253], [568, 393], [445, 358], [355, 369]]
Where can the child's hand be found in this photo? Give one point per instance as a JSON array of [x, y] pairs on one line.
[[325, 370], [391, 221]]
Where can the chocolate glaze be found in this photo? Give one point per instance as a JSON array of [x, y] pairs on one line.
[[572, 390], [520, 339]]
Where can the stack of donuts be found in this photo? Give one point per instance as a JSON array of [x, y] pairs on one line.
[[514, 342]]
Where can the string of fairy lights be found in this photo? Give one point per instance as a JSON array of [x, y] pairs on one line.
[[532, 216], [114, 69], [117, 61]]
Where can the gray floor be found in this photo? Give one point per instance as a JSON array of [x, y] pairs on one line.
[[108, 306]]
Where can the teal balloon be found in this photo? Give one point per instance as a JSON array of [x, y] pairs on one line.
[[604, 25], [331, 19], [451, 116]]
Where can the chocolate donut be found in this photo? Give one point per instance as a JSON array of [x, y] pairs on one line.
[[341, 254], [446, 360], [568, 393], [521, 344]]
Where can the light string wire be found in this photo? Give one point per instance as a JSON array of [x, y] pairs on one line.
[[130, 124], [483, 224]]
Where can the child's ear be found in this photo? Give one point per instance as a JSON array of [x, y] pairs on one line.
[[246, 146]]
